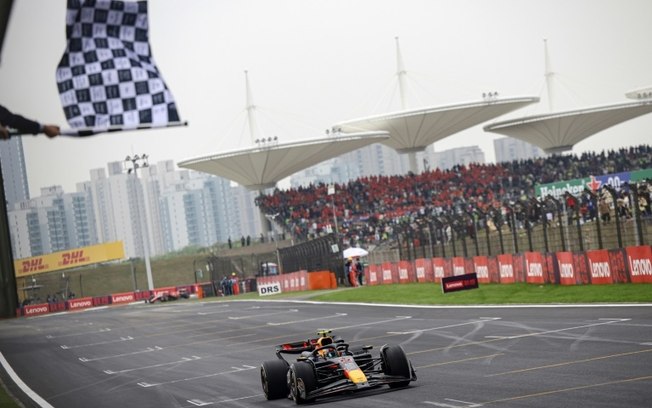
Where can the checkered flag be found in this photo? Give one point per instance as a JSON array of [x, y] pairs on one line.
[[107, 78]]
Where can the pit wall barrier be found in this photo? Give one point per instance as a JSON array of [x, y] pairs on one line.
[[86, 302], [598, 267], [290, 282]]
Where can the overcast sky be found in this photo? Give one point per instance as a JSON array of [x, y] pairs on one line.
[[314, 63]]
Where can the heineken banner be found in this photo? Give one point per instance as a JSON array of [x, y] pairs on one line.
[[593, 183]]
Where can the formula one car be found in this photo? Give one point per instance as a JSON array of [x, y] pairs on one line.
[[167, 295], [327, 366]]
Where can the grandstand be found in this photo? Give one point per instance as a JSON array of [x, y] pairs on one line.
[[378, 209]]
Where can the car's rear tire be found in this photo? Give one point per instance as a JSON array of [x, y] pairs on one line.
[[302, 378], [273, 376], [395, 362]]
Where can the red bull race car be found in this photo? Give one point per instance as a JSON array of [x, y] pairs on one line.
[[166, 295], [327, 366]]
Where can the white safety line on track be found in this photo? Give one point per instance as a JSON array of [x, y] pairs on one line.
[[262, 315], [373, 323], [200, 403], [484, 307], [50, 336], [101, 343], [128, 370], [456, 405], [443, 327], [307, 320], [519, 336], [199, 377], [147, 350], [23, 387]]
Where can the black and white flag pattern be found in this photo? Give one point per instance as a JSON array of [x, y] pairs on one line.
[[107, 78]]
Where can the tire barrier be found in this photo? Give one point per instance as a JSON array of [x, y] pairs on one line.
[[597, 267], [77, 304]]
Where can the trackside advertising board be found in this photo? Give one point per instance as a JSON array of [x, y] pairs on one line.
[[534, 267], [593, 183], [599, 267], [126, 297], [271, 288], [71, 258], [481, 265], [639, 261], [81, 303], [566, 269], [459, 282], [506, 268]]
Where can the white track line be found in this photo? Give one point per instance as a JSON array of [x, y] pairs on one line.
[[15, 378]]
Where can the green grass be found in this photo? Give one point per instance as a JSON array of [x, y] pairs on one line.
[[5, 400], [518, 293], [491, 294]]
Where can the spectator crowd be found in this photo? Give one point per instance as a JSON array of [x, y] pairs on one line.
[[373, 209]]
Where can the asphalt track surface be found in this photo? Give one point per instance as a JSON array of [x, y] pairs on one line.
[[208, 354]]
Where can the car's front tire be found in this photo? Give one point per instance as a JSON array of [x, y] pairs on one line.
[[302, 381], [273, 376], [395, 362]]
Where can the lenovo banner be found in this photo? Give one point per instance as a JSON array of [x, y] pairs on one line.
[[388, 273], [639, 262], [459, 282], [534, 267], [123, 298], [599, 267], [566, 269], [438, 268], [481, 265], [506, 268], [458, 266], [34, 310], [372, 275], [81, 303], [404, 272], [423, 270]]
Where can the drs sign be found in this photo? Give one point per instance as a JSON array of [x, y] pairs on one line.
[[272, 288]]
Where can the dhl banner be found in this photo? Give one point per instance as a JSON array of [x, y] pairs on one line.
[[69, 259]]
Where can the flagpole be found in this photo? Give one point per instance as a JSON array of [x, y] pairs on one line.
[[83, 132], [8, 286]]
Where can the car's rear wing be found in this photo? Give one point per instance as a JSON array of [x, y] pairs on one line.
[[296, 347]]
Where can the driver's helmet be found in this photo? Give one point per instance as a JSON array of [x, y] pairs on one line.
[[327, 352]]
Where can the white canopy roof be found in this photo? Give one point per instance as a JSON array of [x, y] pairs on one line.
[[413, 130], [263, 166], [557, 132]]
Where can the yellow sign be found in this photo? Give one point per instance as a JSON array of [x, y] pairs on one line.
[[69, 259]]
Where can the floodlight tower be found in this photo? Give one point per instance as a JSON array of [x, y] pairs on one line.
[[136, 163]]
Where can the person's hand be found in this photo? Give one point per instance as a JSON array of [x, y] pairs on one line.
[[4, 133], [51, 130]]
